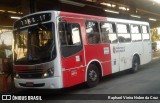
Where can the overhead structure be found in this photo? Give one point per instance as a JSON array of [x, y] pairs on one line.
[[145, 10]]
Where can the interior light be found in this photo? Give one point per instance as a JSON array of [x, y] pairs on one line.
[[157, 1], [122, 8], [152, 19], [13, 12], [2, 10], [113, 5], [135, 16], [15, 17], [111, 11], [106, 4]]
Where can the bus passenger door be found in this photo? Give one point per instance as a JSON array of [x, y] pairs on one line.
[[72, 53], [114, 57], [109, 28]]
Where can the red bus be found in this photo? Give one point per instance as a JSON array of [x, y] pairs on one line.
[[55, 49]]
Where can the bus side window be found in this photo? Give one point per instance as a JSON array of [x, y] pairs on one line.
[[70, 38], [136, 32], [62, 33], [145, 32], [93, 35], [69, 34], [108, 31], [123, 33]]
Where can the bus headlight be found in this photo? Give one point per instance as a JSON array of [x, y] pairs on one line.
[[48, 73]]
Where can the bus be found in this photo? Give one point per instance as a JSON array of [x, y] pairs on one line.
[[56, 49]]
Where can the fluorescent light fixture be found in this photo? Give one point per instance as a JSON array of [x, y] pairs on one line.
[[13, 12], [111, 11], [15, 17], [122, 8], [157, 1], [2, 10], [106, 4], [135, 16], [152, 19], [113, 6], [72, 3]]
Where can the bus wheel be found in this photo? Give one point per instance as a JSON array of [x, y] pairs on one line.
[[135, 64], [92, 76]]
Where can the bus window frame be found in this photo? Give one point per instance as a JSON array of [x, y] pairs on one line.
[[99, 33], [63, 46], [114, 31], [128, 29], [148, 32], [140, 32]]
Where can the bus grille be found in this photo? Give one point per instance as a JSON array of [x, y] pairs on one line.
[[31, 74]]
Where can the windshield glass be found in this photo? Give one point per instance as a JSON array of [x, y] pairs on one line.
[[34, 44]]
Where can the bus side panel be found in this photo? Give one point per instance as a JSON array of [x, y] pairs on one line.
[[147, 52], [73, 70], [100, 52]]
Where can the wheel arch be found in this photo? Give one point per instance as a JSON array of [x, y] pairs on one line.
[[138, 56], [99, 66]]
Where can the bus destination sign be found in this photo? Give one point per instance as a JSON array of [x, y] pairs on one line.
[[33, 19]]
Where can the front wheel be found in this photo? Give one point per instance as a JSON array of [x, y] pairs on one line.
[[135, 64], [92, 76]]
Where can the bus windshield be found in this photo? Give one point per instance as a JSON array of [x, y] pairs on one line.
[[34, 44]]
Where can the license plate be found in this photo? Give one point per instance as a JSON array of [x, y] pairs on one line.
[[29, 84]]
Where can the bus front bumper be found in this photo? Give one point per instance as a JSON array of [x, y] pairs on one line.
[[46, 83]]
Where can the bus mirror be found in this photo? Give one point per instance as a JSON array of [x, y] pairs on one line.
[[8, 53]]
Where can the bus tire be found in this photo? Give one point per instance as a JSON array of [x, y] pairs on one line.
[[135, 64], [93, 76]]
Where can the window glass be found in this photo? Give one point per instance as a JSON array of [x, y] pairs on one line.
[[145, 36], [123, 33], [145, 33], [136, 37], [93, 35], [108, 32], [135, 29], [124, 37], [76, 34], [145, 29], [70, 38], [122, 28], [135, 32], [107, 27], [69, 34]]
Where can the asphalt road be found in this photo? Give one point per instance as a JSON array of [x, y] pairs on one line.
[[145, 81]]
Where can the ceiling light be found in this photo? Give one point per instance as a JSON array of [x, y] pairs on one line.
[[72, 3], [13, 12], [157, 1], [15, 17], [113, 5], [106, 4], [111, 11], [2, 10], [135, 16], [122, 8], [152, 19]]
